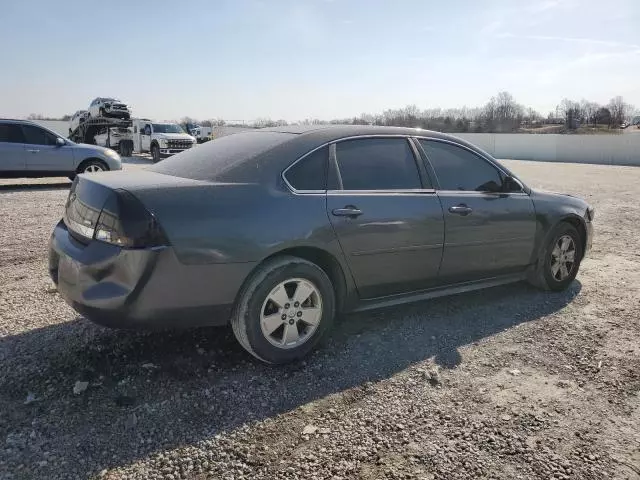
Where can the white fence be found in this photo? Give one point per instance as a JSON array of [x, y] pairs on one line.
[[603, 149]]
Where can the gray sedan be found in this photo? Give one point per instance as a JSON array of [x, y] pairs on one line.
[[30, 150], [277, 231]]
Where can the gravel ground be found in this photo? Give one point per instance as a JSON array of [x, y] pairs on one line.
[[505, 383]]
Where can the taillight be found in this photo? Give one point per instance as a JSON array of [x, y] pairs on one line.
[[125, 222]]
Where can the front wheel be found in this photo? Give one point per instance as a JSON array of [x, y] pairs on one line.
[[155, 153], [559, 260], [284, 310], [93, 166]]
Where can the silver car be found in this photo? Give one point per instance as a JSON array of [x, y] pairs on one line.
[[30, 150]]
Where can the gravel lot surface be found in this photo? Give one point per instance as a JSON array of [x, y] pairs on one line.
[[505, 383]]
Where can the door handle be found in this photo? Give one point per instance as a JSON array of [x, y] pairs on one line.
[[346, 212], [461, 209], [33, 150]]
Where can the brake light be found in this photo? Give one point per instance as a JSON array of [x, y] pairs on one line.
[[125, 222]]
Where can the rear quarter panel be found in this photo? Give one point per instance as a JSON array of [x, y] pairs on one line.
[[232, 223]]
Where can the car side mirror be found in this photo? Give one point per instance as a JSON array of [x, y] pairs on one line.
[[60, 142]]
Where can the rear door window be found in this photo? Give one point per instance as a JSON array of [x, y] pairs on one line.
[[11, 133], [377, 164], [310, 173], [460, 169]]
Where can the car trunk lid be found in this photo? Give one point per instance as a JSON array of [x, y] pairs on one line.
[[90, 194]]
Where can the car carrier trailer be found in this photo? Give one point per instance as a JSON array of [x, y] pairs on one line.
[[92, 126]]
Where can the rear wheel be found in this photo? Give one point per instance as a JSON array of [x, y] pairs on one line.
[[284, 310], [560, 259], [93, 166], [155, 153]]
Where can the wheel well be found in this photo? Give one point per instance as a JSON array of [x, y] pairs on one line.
[[87, 160], [579, 225], [153, 142], [327, 263]]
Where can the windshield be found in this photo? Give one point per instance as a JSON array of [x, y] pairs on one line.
[[167, 128]]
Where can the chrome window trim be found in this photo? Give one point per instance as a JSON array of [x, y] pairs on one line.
[[304, 192], [475, 192], [383, 191], [408, 191], [331, 145], [483, 157]]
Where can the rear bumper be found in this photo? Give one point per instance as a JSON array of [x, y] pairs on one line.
[[145, 288]]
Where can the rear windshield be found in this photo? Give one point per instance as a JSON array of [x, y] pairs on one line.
[[224, 159]]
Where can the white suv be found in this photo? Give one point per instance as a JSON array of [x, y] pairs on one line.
[[109, 107], [79, 117]]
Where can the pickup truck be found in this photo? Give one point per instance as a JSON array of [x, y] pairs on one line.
[[160, 139]]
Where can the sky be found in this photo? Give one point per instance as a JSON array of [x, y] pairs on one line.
[[297, 59]]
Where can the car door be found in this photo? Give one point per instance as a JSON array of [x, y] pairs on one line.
[[385, 214], [489, 230], [12, 152], [145, 138], [43, 154]]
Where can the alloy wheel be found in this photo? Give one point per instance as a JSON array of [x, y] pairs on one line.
[[563, 258], [291, 313], [93, 168]]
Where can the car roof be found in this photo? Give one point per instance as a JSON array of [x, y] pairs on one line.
[[18, 120], [265, 158], [340, 131]]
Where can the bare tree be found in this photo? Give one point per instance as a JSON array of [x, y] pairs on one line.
[[264, 122], [502, 113], [590, 110], [618, 110], [572, 113], [603, 115]]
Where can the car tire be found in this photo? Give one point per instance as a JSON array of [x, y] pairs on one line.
[[564, 244], [155, 153], [93, 166], [279, 334]]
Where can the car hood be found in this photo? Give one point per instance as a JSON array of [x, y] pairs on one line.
[[174, 136], [565, 198], [85, 147]]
